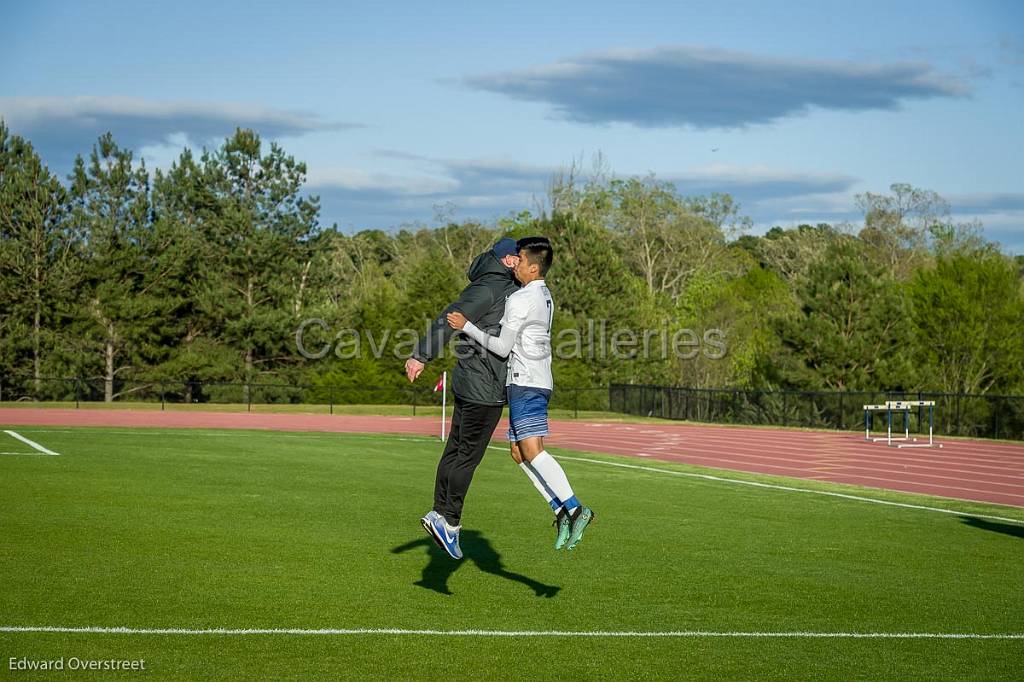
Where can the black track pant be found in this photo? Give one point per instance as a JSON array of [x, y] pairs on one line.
[[472, 427]]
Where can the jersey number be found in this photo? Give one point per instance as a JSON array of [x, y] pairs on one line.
[[550, 314]]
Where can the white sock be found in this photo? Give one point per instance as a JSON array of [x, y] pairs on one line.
[[550, 472], [544, 491]]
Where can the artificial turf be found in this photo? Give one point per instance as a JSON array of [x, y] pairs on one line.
[[242, 529]]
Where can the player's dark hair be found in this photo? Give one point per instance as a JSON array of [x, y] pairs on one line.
[[538, 251]]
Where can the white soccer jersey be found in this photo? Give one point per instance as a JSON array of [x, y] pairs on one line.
[[526, 334]]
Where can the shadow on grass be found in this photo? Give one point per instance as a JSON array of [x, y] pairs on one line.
[[475, 548], [995, 526]]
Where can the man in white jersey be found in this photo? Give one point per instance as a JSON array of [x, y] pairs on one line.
[[526, 335]]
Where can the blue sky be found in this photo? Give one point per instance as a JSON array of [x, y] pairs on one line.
[[400, 107]]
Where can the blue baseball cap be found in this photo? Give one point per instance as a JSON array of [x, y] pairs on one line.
[[506, 246]]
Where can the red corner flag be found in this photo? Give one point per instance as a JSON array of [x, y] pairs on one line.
[[440, 384]]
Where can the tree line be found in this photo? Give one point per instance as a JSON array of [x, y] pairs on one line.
[[205, 271]]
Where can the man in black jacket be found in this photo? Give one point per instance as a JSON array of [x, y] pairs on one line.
[[478, 383]]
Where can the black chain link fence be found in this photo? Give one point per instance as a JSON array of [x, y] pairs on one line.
[[979, 416], [78, 390]]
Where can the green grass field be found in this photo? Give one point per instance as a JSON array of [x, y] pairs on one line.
[[241, 529]]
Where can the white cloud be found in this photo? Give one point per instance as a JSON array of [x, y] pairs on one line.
[[711, 88], [358, 180], [62, 127], [756, 183]]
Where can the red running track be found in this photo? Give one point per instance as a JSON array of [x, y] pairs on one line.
[[964, 469]]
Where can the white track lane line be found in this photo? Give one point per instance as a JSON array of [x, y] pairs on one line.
[[779, 451], [772, 486], [775, 445], [744, 459], [32, 443], [724, 458], [511, 633]]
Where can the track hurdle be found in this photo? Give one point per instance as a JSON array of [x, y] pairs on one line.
[[869, 413], [889, 407], [905, 406]]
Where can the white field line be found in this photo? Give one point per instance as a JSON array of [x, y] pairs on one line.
[[772, 486], [32, 443], [511, 633], [707, 477]]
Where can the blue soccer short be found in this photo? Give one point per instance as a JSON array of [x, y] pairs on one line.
[[527, 412]]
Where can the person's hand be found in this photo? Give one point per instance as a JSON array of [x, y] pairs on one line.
[[413, 368], [456, 319]]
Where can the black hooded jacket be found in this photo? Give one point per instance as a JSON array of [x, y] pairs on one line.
[[479, 375]]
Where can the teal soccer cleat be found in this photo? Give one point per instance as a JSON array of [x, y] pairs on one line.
[[580, 522], [564, 525]]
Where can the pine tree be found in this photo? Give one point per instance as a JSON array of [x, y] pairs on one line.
[[38, 260], [258, 242], [183, 203], [119, 305], [852, 330]]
